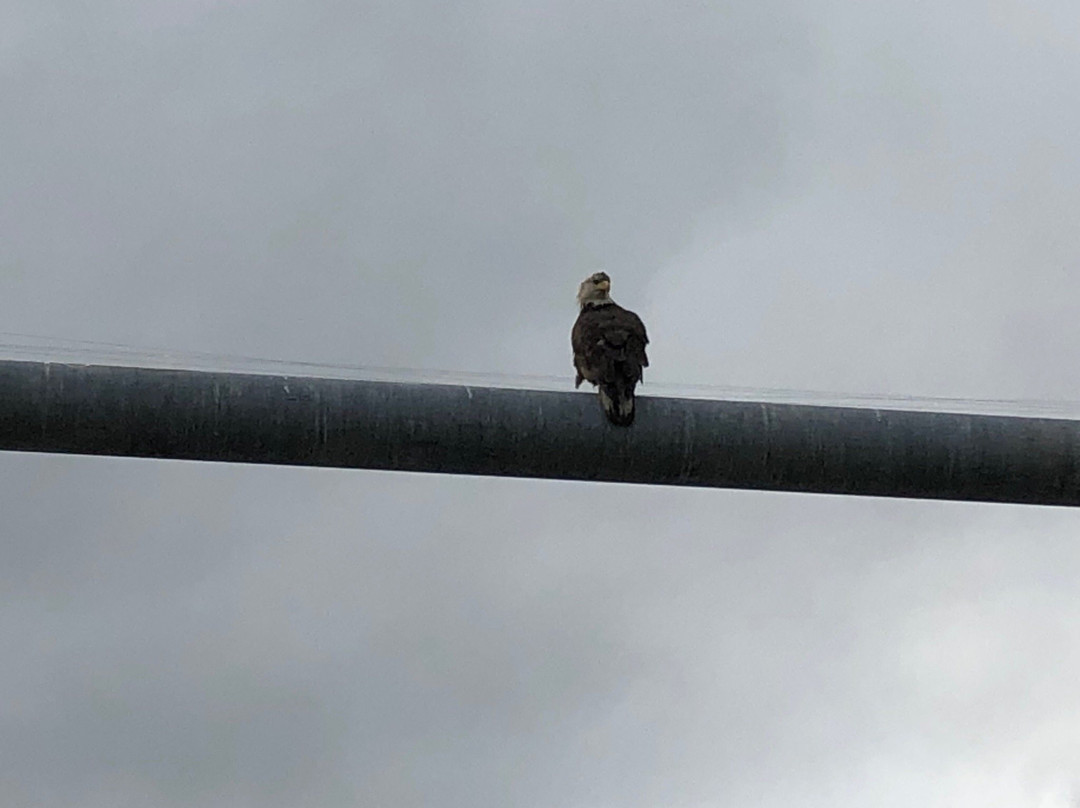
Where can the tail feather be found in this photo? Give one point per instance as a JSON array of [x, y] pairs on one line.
[[618, 404]]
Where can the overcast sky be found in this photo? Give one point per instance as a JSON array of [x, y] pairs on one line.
[[878, 197]]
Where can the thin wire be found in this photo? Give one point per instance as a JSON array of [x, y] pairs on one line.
[[97, 350], [18, 345]]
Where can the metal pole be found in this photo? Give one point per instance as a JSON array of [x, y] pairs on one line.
[[454, 429]]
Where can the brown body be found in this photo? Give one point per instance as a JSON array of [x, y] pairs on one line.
[[609, 349]]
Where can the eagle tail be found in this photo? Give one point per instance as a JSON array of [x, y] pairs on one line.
[[618, 404]]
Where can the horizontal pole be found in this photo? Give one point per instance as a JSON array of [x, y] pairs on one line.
[[456, 429]]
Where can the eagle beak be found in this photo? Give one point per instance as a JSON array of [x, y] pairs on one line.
[[604, 286]]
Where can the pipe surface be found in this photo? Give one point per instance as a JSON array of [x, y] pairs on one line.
[[456, 429]]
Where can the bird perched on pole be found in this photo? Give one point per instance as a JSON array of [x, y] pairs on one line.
[[609, 348]]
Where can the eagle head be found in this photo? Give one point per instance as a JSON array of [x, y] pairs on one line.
[[594, 290]]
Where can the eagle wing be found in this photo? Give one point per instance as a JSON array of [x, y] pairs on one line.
[[609, 346]]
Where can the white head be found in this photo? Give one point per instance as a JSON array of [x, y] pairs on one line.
[[594, 290]]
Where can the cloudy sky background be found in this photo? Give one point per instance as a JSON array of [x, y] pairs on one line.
[[872, 198]]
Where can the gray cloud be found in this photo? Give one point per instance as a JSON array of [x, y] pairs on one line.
[[867, 200], [275, 169]]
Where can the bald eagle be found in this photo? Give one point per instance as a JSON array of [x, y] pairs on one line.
[[609, 348]]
